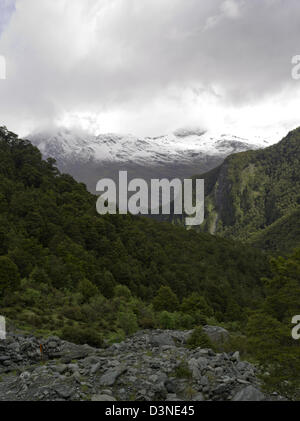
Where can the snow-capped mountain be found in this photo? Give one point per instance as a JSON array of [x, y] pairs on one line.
[[181, 154]]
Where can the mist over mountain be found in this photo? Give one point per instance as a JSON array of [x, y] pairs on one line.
[[180, 154]]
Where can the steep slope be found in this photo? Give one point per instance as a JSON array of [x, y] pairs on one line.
[[64, 270], [281, 236], [255, 194], [57, 254], [179, 154]]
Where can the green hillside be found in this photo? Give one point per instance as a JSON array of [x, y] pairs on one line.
[[57, 252], [254, 196], [66, 270], [281, 236]]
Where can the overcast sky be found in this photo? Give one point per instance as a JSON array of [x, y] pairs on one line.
[[150, 66]]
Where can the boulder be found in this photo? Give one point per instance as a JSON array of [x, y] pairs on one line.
[[249, 393], [103, 398], [218, 335], [161, 339], [109, 378]]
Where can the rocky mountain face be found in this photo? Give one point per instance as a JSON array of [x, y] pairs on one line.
[[151, 365], [254, 196], [181, 154]]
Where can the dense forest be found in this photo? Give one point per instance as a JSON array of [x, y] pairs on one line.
[[64, 269], [254, 196]]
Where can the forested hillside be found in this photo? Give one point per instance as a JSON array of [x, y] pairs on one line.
[[254, 196], [68, 271], [54, 243]]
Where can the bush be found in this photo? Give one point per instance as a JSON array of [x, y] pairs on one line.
[[182, 371], [122, 291], [81, 336], [9, 275], [165, 300], [166, 320], [87, 289], [199, 339], [184, 321], [128, 322], [196, 304]]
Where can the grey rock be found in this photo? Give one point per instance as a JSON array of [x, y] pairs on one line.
[[199, 397], [170, 385], [216, 334], [95, 368], [103, 398], [110, 377], [63, 391], [249, 393], [236, 356], [204, 381], [219, 371], [162, 339], [60, 368]]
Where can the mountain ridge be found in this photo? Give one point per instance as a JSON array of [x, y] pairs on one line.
[[252, 190], [89, 157]]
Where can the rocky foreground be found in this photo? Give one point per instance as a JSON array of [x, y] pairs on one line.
[[151, 365]]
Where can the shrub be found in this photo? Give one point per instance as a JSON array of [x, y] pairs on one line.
[[166, 320], [81, 336], [122, 291], [182, 371], [87, 289], [128, 322], [199, 339], [165, 300], [9, 275]]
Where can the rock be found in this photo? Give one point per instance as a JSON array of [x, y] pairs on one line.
[[204, 381], [162, 339], [170, 386], [142, 367], [236, 356], [242, 366], [193, 366], [172, 397], [202, 363], [102, 398], [60, 368], [63, 391], [216, 334], [95, 368], [25, 376], [249, 393], [109, 378], [219, 371], [198, 397]]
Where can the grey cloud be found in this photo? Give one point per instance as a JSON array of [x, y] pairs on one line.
[[66, 55]]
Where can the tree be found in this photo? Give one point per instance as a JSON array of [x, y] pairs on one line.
[[128, 322], [196, 303], [122, 291], [165, 299], [87, 289], [9, 275]]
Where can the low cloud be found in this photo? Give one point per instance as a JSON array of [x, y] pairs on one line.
[[149, 66]]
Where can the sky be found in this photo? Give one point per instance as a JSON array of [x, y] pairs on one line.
[[148, 67]]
